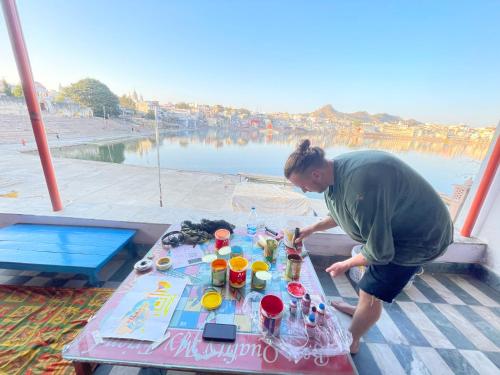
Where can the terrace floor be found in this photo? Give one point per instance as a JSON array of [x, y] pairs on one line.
[[443, 324]]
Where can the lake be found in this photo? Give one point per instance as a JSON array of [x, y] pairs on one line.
[[442, 163]]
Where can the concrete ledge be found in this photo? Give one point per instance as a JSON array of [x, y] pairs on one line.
[[338, 244]]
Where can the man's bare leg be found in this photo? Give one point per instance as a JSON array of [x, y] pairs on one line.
[[364, 315], [344, 307]]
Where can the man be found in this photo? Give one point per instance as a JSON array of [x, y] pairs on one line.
[[387, 206]]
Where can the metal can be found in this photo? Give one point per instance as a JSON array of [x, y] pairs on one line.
[[221, 238], [219, 272], [259, 279], [293, 266]]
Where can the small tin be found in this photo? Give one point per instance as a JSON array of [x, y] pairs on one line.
[[293, 266], [236, 251], [221, 238], [260, 274], [219, 272]]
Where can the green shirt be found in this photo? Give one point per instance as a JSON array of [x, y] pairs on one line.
[[383, 203]]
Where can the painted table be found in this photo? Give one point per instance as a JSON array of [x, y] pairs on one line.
[[185, 349]]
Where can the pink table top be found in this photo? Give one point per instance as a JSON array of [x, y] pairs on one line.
[[185, 349]]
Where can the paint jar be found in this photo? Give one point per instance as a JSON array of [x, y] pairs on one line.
[[262, 268], [238, 272], [293, 266], [221, 238], [271, 250], [271, 313], [224, 252], [219, 272], [236, 251]]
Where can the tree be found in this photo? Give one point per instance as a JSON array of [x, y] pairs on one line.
[[95, 95], [17, 91], [6, 88], [127, 102], [182, 105], [150, 115]]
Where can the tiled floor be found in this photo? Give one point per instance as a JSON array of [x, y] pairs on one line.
[[443, 324]]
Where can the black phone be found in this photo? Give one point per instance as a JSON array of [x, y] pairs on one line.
[[219, 332]]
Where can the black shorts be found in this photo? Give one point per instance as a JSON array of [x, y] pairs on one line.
[[386, 281]]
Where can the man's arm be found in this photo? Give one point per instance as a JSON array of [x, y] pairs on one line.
[[339, 268], [324, 224]]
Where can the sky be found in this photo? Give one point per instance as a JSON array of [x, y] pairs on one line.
[[434, 61]]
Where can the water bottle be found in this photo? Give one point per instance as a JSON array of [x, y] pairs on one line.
[[252, 222]]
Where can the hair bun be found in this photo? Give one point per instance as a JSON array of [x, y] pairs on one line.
[[304, 146]]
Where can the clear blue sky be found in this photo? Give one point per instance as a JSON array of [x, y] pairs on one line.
[[432, 60]]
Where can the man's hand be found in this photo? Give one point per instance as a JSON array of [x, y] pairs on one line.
[[338, 268], [304, 233]]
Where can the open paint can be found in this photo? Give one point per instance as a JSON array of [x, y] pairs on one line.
[[271, 313], [221, 238], [293, 266], [238, 272], [219, 272], [271, 250], [260, 274]]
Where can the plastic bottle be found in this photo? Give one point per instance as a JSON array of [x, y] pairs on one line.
[[306, 304], [252, 222], [310, 323], [321, 314]]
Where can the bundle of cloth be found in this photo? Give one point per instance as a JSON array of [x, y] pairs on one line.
[[195, 233]]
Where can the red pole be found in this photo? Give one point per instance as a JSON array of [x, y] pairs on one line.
[[24, 68], [482, 190]]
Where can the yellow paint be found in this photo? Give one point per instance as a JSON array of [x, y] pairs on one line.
[[238, 264], [211, 300]]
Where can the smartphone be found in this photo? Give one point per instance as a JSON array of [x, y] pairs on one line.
[[219, 332]]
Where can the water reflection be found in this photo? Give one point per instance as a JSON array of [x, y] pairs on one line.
[[442, 161]]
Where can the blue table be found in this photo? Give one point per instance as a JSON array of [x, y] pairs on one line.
[[56, 248]]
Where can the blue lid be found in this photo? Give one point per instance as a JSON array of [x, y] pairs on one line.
[[322, 306], [236, 249], [312, 317]]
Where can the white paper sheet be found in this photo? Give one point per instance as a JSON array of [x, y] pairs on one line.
[[145, 311], [184, 256]]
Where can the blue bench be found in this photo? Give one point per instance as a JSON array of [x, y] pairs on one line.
[[55, 248]]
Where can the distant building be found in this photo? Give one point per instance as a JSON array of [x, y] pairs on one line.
[[147, 105]]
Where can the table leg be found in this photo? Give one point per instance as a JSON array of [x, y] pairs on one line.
[[83, 368]]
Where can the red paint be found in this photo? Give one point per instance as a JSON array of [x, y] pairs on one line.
[[272, 305], [24, 68], [296, 289], [482, 190], [221, 238]]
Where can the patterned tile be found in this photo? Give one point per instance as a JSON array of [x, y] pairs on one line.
[[443, 324]]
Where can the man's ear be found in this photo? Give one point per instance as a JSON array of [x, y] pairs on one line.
[[315, 174]]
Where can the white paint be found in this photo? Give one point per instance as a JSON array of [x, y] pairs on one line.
[[467, 328], [443, 291], [389, 329], [425, 326], [474, 292], [386, 360], [433, 360], [480, 362]]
